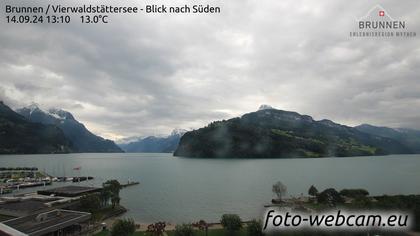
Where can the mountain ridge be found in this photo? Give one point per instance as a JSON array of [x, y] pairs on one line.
[[273, 133], [408, 137], [82, 139], [153, 144], [20, 136]]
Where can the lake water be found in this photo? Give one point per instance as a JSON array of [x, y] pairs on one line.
[[185, 190]]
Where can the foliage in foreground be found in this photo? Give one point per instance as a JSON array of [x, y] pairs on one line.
[[156, 229], [184, 230], [123, 227], [231, 222], [330, 196], [254, 228]]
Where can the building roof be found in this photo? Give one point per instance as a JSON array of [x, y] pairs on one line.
[[20, 207], [40, 224], [26, 205], [9, 231], [69, 191]]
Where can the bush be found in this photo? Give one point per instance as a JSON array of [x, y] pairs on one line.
[[90, 203], [330, 196], [124, 227], [157, 228], [362, 203], [254, 228], [354, 193], [184, 230], [231, 222]]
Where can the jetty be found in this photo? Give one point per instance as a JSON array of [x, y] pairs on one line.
[[130, 183]]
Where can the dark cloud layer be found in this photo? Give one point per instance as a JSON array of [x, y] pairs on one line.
[[148, 74]]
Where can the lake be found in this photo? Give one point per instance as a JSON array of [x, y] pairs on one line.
[[180, 190]]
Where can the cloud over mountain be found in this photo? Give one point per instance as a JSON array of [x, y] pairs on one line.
[[145, 74]]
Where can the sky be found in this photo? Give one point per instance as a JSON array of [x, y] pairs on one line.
[[147, 74]]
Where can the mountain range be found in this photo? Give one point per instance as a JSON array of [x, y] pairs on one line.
[[266, 133], [81, 139], [20, 136], [272, 133], [408, 137], [154, 144]]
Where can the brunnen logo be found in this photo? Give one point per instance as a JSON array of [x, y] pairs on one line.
[[378, 23]]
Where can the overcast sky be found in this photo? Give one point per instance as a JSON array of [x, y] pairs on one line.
[[148, 74]]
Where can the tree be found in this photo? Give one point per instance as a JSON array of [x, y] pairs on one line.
[[156, 229], [231, 222], [254, 228], [90, 203], [184, 230], [279, 189], [123, 227], [202, 225], [313, 191], [113, 186], [330, 196], [111, 190], [115, 200], [105, 195]]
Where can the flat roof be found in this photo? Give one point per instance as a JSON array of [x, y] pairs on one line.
[[69, 191], [39, 224], [24, 205]]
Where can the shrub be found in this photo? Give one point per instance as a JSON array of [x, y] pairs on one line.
[[330, 196], [362, 203], [231, 222], [254, 228], [184, 230], [123, 227], [354, 193], [156, 229]]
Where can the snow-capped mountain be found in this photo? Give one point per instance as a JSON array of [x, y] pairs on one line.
[[51, 116], [178, 132], [82, 139], [60, 114], [20, 136], [155, 144], [265, 107]]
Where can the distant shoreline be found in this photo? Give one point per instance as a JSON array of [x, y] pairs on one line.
[[209, 158]]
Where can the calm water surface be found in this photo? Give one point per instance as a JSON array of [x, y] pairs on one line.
[[185, 190]]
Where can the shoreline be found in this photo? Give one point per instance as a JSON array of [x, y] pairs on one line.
[[143, 225]]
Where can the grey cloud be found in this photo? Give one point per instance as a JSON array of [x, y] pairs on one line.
[[147, 74]]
